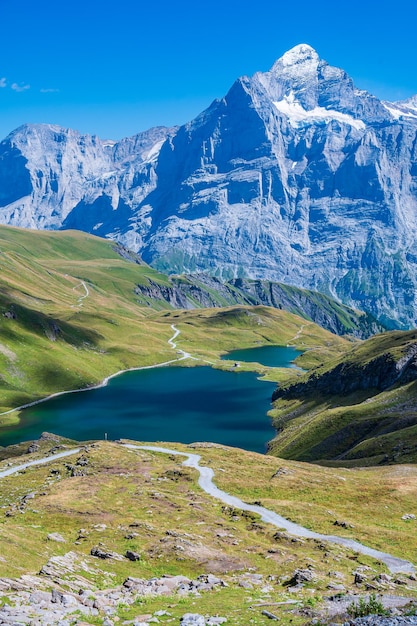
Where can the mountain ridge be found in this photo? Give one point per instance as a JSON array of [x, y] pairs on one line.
[[201, 290], [294, 176]]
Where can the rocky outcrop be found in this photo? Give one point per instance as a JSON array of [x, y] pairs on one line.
[[379, 373], [29, 599], [360, 409]]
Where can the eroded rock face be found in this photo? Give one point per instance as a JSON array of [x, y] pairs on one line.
[[347, 377], [294, 176], [52, 178]]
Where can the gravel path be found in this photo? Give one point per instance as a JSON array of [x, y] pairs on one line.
[[205, 481], [59, 455], [81, 298]]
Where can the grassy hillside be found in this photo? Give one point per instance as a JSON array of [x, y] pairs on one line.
[[69, 317], [357, 409], [208, 333], [145, 502], [201, 290], [53, 336]]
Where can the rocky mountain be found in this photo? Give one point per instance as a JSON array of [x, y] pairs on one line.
[[52, 178], [294, 176]]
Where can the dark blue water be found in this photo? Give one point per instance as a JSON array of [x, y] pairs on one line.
[[272, 356], [163, 404], [166, 404]]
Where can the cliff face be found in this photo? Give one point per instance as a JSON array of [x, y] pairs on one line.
[[294, 176], [298, 177], [52, 178], [323, 310], [347, 377]]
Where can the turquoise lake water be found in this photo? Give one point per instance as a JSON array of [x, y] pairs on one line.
[[162, 404], [272, 356]]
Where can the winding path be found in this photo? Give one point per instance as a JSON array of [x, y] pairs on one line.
[[296, 336], [185, 355], [81, 298], [46, 459], [205, 481]]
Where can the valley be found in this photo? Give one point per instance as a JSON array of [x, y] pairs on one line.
[[74, 314], [70, 302], [57, 338], [208, 363]]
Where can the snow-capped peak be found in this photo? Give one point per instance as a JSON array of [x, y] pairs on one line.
[[298, 67], [301, 59], [298, 71], [299, 54]]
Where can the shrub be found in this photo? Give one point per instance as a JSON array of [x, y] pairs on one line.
[[372, 606]]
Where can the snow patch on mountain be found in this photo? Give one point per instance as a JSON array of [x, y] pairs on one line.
[[300, 60], [409, 103], [400, 110], [297, 115]]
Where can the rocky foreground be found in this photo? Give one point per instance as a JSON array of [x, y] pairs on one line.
[[27, 602], [31, 601], [113, 535]]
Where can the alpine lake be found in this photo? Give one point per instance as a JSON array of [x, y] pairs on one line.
[[178, 404]]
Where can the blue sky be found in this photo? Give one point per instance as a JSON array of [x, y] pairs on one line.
[[115, 68]]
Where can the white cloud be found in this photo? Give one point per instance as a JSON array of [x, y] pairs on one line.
[[3, 82], [20, 88], [49, 90]]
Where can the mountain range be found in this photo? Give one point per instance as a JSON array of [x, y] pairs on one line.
[[294, 176]]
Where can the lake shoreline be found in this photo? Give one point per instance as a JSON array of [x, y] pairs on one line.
[[235, 414], [105, 380]]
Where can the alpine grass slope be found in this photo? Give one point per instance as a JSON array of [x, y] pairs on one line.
[[111, 534], [358, 409]]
